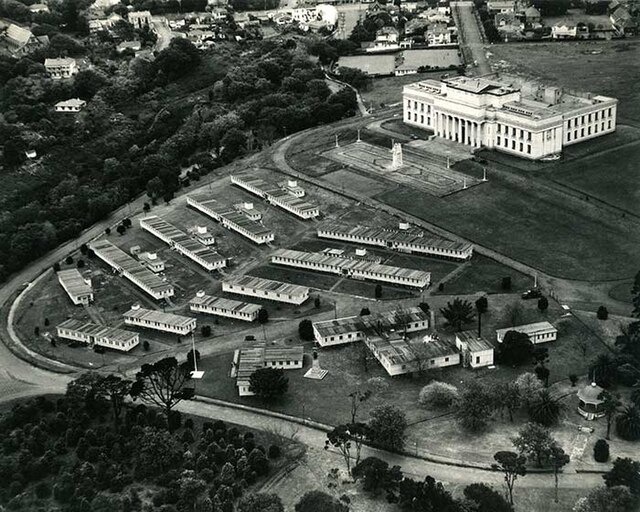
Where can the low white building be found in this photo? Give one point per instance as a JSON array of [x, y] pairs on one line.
[[77, 287], [538, 332], [98, 335], [220, 306], [266, 289], [275, 195], [183, 243], [61, 68], [230, 218], [564, 31], [292, 187], [356, 328], [152, 262], [437, 353], [132, 269], [247, 209], [71, 106], [476, 351], [354, 268], [159, 320], [247, 360], [405, 239]]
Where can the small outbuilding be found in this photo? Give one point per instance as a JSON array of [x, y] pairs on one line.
[[591, 404]]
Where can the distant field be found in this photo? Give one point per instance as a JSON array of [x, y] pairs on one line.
[[573, 65]]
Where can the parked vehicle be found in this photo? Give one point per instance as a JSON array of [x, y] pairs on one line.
[[534, 293]]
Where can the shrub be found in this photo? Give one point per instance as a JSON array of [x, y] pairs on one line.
[[603, 313], [506, 283], [438, 394], [601, 451], [274, 451], [365, 312], [43, 490], [145, 345], [205, 330]]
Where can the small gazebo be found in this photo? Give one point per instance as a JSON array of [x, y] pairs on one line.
[[591, 406]]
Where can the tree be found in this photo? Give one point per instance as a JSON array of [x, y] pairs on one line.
[[610, 405], [529, 386], [365, 312], [603, 371], [426, 496], [121, 229], [625, 472], [601, 451], [268, 383], [607, 499], [602, 313], [485, 499], [439, 395], [205, 331], [387, 427], [542, 372], [318, 501], [513, 314], [305, 330], [512, 466], [516, 348], [573, 378], [376, 475], [628, 423], [263, 316], [193, 357], [506, 396], [115, 389], [558, 459], [457, 313], [146, 346], [635, 395], [358, 396], [474, 407], [346, 437], [378, 291], [543, 409], [482, 305], [163, 384], [260, 502], [535, 443], [424, 307], [543, 304]]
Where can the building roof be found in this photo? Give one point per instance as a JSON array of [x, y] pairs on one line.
[[18, 36], [478, 85], [375, 322], [591, 394], [74, 283], [232, 215], [531, 12], [415, 237], [130, 265], [74, 102], [473, 341], [529, 329], [58, 62], [438, 348], [151, 315], [351, 264], [99, 331], [226, 304], [394, 350], [276, 192], [182, 239], [253, 358], [259, 283]]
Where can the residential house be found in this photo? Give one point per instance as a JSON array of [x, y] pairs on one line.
[[532, 15], [61, 68], [21, 41], [36, 8], [386, 40], [502, 6], [98, 24], [623, 22], [476, 351], [134, 46], [438, 34], [71, 106], [564, 30], [139, 18]]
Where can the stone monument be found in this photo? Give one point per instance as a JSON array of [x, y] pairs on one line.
[[396, 152]]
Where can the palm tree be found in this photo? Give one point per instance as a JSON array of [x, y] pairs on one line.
[[602, 370], [628, 423], [611, 403], [457, 313], [635, 395], [544, 409]]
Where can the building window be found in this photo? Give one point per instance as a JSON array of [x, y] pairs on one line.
[[521, 147], [602, 126], [609, 124], [529, 149], [421, 107], [477, 359], [582, 133], [513, 144], [589, 130], [422, 119], [415, 105], [498, 141], [568, 136], [609, 113]]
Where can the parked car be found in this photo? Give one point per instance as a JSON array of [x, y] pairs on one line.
[[249, 337], [532, 294]]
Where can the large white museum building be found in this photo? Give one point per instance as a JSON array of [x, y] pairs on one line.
[[526, 119]]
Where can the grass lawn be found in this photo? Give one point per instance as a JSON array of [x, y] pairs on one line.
[[612, 177], [622, 292], [387, 91], [361, 184], [398, 126], [482, 274], [544, 229]]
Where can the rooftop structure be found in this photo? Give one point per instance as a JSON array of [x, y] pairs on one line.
[[70, 106], [353, 268], [152, 262], [231, 219], [159, 320], [132, 269], [591, 404], [476, 351], [266, 289], [355, 328], [403, 240], [22, 41], [275, 195], [183, 243], [220, 306], [507, 114], [77, 287], [248, 360], [100, 335], [539, 332], [248, 210]]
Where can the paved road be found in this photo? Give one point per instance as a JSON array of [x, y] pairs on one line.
[[164, 33], [470, 36]]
